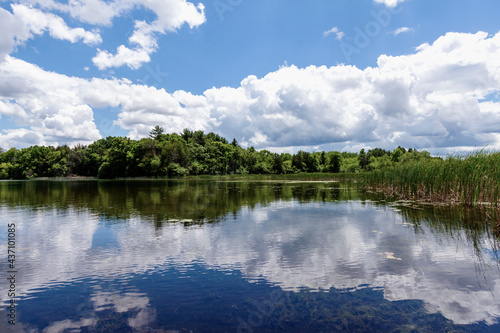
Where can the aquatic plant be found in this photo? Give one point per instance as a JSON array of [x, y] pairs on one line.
[[470, 179]]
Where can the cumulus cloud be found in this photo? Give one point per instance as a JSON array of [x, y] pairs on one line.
[[44, 102], [37, 18], [433, 98], [133, 58], [25, 23], [390, 3], [95, 12], [442, 95], [10, 27], [172, 14], [56, 109], [37, 22]]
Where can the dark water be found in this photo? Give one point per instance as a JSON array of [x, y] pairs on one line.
[[201, 256]]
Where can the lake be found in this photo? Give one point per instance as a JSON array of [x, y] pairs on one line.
[[215, 256]]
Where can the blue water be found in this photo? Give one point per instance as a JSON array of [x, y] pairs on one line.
[[286, 257]]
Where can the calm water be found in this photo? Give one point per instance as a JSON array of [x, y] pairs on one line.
[[201, 256]]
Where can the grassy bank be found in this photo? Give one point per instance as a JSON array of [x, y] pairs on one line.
[[318, 176], [467, 179]]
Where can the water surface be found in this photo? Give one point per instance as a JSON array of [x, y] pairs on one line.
[[204, 256]]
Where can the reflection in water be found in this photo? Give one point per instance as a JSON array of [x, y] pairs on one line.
[[104, 256]]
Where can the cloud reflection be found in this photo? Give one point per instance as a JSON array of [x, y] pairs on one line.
[[313, 245]]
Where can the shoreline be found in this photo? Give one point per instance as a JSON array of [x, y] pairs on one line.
[[247, 177]]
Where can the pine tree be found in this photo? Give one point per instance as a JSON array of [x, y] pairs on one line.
[[156, 132]]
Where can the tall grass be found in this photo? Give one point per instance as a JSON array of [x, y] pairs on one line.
[[470, 179]]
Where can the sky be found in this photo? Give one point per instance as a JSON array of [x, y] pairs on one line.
[[281, 75]]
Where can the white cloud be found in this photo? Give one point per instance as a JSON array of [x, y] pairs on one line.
[[432, 98], [57, 109], [172, 14], [338, 34], [38, 22], [427, 99], [124, 56], [11, 28], [401, 30], [46, 103], [25, 22], [37, 18], [21, 138], [390, 3], [90, 11]]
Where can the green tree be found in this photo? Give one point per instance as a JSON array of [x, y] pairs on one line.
[[311, 162], [5, 170], [93, 157], [414, 155], [288, 167], [403, 150], [234, 158], [118, 159], [381, 162], [278, 164], [75, 159], [335, 162], [10, 166], [187, 135], [156, 132], [189, 152], [322, 160], [298, 162], [396, 154], [350, 164], [199, 137], [174, 152], [363, 159], [378, 152], [264, 163]]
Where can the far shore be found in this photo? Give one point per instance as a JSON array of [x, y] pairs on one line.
[[251, 177]]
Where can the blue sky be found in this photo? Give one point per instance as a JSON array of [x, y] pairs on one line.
[[277, 74]]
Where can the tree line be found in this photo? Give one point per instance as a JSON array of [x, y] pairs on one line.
[[187, 153]]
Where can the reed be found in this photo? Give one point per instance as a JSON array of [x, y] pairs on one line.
[[470, 179]]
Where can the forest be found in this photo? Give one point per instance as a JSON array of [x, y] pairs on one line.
[[189, 153]]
